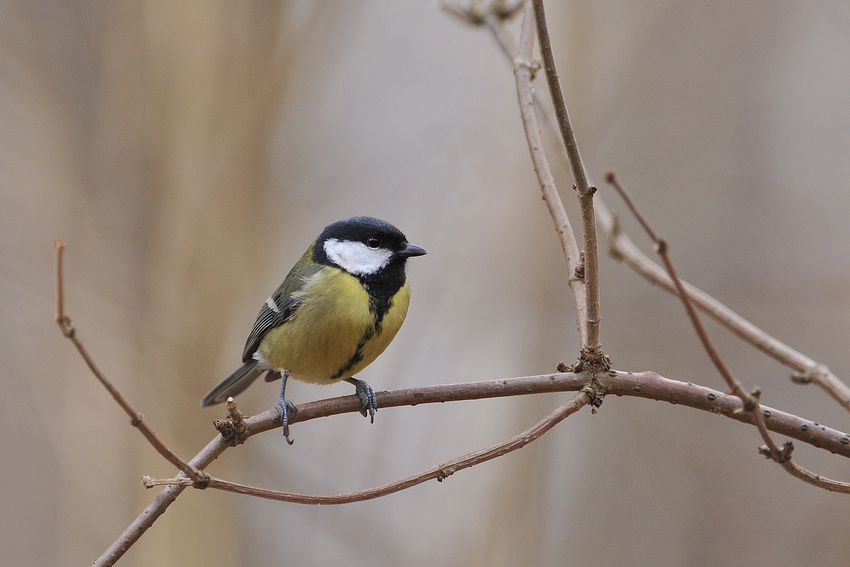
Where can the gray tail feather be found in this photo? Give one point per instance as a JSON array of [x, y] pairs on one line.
[[234, 384]]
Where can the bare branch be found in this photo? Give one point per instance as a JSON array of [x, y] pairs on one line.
[[652, 386], [524, 72], [159, 505], [783, 457], [558, 101], [593, 347], [808, 370], [750, 400], [136, 420]]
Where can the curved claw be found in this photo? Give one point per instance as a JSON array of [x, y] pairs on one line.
[[368, 399], [284, 408]]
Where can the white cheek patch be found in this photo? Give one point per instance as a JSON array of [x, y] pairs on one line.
[[355, 257]]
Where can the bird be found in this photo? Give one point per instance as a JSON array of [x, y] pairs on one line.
[[336, 311]]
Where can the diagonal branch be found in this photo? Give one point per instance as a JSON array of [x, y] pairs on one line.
[[158, 507], [750, 400], [136, 419], [808, 370]]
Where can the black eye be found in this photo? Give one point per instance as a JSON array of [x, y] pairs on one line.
[[373, 242]]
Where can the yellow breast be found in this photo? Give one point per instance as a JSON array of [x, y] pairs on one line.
[[334, 333]]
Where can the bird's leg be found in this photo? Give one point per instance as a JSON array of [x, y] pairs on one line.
[[368, 399], [284, 407]]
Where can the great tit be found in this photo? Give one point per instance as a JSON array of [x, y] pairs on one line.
[[338, 309]]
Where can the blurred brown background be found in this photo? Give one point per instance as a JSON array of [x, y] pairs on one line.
[[189, 152]]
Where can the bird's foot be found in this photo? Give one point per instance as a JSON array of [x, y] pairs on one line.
[[368, 399], [284, 409]]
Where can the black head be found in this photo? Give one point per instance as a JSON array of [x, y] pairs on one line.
[[368, 248]]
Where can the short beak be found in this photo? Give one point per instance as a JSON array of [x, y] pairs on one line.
[[412, 250]]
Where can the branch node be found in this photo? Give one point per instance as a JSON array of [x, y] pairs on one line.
[[782, 455], [444, 472], [594, 392], [593, 360], [579, 271], [785, 452], [67, 329], [477, 16], [532, 71], [202, 482], [812, 374], [224, 427], [233, 428], [751, 400], [802, 378]]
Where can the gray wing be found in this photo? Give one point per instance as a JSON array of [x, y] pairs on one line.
[[274, 312], [278, 308]]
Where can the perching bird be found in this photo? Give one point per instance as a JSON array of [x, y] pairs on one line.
[[338, 309]]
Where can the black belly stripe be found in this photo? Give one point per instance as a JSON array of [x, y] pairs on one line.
[[357, 356], [380, 307]]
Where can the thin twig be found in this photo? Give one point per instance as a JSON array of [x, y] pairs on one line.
[[808, 370], [136, 419], [750, 400], [583, 267], [593, 347], [783, 457], [524, 71], [558, 101]]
